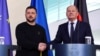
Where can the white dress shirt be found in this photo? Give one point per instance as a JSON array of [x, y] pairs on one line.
[[69, 25]]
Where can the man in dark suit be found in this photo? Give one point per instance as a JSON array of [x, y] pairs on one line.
[[73, 31]]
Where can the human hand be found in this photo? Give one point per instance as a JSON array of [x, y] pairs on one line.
[[42, 46]]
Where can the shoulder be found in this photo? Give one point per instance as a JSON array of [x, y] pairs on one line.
[[63, 25], [21, 24], [84, 23], [39, 27]]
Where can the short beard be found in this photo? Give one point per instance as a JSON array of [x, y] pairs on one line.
[[31, 21]]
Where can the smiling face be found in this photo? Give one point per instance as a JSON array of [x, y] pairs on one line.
[[72, 13]]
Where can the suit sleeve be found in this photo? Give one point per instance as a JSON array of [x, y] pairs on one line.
[[89, 33], [23, 42], [58, 36]]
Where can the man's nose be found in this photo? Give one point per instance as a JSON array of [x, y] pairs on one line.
[[71, 12]]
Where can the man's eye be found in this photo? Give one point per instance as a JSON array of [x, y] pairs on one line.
[[33, 13]]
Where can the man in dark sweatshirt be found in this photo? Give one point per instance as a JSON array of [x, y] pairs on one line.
[[30, 36]]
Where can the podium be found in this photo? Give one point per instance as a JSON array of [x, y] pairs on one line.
[[74, 50], [60, 49], [5, 49]]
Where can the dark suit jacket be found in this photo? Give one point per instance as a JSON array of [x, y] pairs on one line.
[[82, 30]]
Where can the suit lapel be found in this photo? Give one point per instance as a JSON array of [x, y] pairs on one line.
[[67, 30], [77, 26], [76, 32], [76, 29]]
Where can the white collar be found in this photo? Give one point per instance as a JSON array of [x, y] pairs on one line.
[[75, 21]]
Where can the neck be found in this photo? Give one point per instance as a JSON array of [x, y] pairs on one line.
[[72, 20], [31, 23]]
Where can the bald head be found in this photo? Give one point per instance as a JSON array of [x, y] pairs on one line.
[[72, 12]]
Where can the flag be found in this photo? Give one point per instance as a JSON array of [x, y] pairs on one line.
[[4, 23], [41, 18], [83, 13], [82, 8]]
